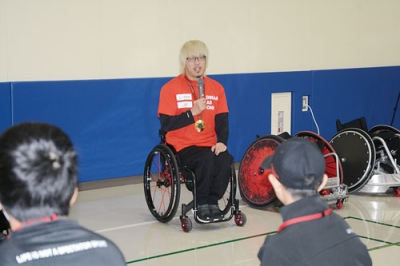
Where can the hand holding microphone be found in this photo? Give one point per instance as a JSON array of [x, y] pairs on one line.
[[198, 106]]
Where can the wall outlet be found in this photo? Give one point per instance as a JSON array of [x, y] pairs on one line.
[[304, 106]]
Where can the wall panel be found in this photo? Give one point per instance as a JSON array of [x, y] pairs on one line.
[[114, 125]]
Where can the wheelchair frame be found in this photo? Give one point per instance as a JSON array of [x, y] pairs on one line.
[[362, 160], [163, 175], [251, 174]]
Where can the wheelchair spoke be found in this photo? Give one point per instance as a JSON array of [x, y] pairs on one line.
[[160, 176]]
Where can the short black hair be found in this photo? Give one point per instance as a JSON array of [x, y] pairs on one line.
[[38, 171]]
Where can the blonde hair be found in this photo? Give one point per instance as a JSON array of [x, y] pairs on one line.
[[193, 47]]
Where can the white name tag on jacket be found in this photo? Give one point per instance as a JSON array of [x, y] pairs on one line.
[[185, 105], [184, 97], [184, 100]]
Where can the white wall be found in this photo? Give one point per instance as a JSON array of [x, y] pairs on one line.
[[99, 39]]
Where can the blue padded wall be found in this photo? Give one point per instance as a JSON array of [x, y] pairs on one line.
[[249, 100], [114, 124], [5, 106], [347, 94]]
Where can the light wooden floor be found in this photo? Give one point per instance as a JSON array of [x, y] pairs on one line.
[[119, 212]]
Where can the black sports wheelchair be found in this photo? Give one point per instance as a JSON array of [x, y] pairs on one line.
[[162, 179]]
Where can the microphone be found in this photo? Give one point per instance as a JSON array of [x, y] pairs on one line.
[[200, 83]]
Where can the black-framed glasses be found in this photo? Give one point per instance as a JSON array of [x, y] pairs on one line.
[[194, 58]]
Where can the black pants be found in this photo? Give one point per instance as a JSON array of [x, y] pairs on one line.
[[212, 172]]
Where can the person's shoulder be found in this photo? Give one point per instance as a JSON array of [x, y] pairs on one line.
[[274, 240], [272, 251]]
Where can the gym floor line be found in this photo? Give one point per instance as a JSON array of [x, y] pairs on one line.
[[266, 234], [121, 214]]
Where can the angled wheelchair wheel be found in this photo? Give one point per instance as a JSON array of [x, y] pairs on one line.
[[379, 129], [161, 182], [326, 148], [356, 152], [254, 185], [387, 141]]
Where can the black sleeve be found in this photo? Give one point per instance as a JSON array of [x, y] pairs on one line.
[[169, 123], [222, 127]]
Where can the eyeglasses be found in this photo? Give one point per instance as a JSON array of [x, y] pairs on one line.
[[194, 58]]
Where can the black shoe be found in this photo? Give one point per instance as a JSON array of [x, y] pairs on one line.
[[216, 212], [203, 214]]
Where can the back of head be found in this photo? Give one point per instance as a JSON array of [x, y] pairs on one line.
[[298, 164], [190, 48], [38, 171]]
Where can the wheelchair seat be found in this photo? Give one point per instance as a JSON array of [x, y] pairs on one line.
[[360, 123]]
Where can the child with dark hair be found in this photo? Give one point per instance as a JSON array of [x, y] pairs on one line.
[[311, 234], [38, 184]]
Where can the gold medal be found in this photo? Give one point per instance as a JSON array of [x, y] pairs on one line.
[[199, 125]]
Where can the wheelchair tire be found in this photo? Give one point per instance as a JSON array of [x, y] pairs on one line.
[[356, 152], [326, 148], [254, 185], [161, 182]]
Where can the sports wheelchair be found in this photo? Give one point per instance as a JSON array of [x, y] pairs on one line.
[[370, 158], [162, 179], [255, 187]]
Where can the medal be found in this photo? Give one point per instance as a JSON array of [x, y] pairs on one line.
[[199, 125]]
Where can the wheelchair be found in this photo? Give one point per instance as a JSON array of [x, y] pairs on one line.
[[162, 179], [255, 187], [370, 158]]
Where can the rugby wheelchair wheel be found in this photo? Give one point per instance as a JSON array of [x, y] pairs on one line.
[[254, 185], [356, 152], [326, 148], [161, 182], [378, 129], [387, 143]]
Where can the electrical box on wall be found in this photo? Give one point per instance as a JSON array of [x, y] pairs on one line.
[[281, 112], [304, 103]]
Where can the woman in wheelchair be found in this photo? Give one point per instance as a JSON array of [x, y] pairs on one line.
[[193, 113]]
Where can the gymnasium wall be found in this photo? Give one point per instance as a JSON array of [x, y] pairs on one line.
[[95, 68]]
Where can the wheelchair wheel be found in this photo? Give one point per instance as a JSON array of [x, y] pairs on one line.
[[356, 151], [326, 148], [387, 152], [254, 185], [240, 219], [161, 181], [383, 129]]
